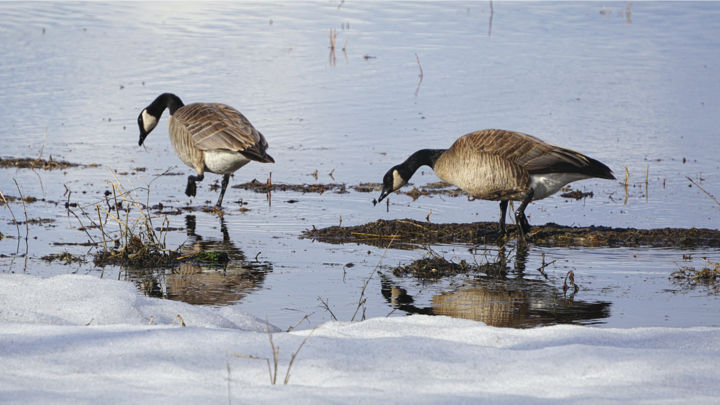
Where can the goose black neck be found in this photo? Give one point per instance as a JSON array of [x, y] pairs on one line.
[[163, 101], [423, 157]]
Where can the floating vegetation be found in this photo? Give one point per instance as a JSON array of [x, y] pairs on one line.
[[260, 187], [37, 163], [577, 194], [434, 267], [65, 258], [26, 199], [436, 188], [208, 258], [707, 276], [37, 221], [410, 233]]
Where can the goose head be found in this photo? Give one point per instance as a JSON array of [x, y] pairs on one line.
[[395, 178], [146, 122]]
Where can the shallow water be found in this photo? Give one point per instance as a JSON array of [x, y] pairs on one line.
[[633, 85]]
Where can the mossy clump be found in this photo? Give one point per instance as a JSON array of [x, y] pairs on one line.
[[212, 258]]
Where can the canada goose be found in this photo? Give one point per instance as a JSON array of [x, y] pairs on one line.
[[207, 137], [501, 165]]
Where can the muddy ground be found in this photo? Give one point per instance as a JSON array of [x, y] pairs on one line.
[[409, 233]]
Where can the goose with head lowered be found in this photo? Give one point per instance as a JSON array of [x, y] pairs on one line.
[[501, 165], [208, 137]]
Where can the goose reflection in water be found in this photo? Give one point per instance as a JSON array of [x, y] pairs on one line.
[[498, 300], [213, 272]]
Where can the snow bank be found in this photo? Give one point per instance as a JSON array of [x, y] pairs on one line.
[[86, 300], [49, 355]]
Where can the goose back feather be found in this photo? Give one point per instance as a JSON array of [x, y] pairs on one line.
[[497, 164]]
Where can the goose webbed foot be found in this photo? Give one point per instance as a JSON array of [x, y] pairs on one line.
[[191, 188], [490, 235]]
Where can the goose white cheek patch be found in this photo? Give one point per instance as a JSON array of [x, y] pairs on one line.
[[397, 180], [149, 122]]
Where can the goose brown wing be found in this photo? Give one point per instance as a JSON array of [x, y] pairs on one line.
[[531, 153], [218, 126]]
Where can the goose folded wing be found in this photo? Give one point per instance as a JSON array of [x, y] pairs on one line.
[[223, 127]]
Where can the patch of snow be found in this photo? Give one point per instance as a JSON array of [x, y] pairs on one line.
[[49, 355]]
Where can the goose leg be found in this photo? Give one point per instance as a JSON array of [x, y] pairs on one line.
[[190, 189], [486, 234], [225, 181], [520, 215], [503, 211]]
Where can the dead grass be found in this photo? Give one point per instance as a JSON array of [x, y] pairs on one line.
[[126, 229], [275, 350]]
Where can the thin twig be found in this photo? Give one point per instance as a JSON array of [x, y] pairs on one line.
[[102, 230], [362, 300], [227, 365], [703, 190], [27, 225], [327, 308], [292, 357], [492, 12], [249, 356], [275, 351], [7, 204], [420, 75], [300, 321]]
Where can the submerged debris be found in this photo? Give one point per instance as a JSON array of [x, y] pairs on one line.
[[410, 233], [35, 163], [65, 257], [708, 276], [577, 194]]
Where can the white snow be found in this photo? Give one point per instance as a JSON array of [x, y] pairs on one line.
[[80, 339]]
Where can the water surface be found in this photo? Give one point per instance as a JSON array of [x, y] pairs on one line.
[[633, 85]]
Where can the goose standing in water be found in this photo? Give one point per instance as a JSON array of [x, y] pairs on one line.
[[501, 165], [207, 137]]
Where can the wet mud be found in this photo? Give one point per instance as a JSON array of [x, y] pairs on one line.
[[408, 233]]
